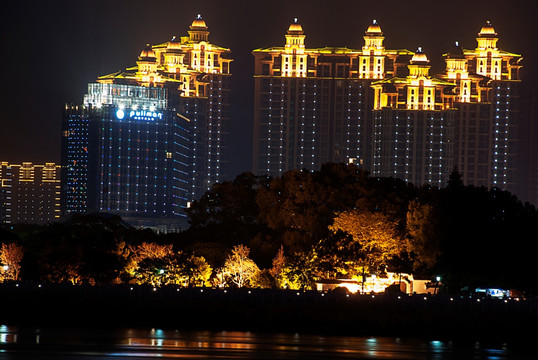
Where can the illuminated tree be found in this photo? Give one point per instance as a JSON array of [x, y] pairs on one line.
[[423, 242], [279, 262], [64, 272], [146, 259], [10, 259], [375, 233], [239, 267], [299, 272], [196, 270]]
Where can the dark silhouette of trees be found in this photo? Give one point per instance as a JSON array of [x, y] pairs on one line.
[[301, 227]]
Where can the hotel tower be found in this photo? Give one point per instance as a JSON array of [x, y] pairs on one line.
[[148, 140]]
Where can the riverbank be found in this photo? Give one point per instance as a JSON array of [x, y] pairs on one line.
[[268, 310]]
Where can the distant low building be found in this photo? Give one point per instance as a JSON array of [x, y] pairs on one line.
[[377, 284], [29, 193]]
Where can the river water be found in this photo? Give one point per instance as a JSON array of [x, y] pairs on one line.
[[99, 344]]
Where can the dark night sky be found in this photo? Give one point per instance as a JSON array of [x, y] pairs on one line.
[[52, 49]]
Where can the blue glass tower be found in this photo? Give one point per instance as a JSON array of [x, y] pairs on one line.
[[129, 156]]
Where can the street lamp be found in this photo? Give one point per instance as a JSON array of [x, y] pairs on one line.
[[437, 281]]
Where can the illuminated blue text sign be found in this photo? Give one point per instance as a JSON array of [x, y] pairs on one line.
[[144, 115]]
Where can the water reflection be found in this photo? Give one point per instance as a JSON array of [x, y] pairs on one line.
[[99, 344]]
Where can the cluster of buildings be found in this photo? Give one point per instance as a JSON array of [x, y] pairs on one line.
[[147, 141], [385, 111]]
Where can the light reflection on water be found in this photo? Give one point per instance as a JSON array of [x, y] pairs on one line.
[[99, 344]]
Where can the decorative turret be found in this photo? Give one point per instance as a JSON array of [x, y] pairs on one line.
[[147, 54], [373, 37], [295, 38], [198, 30], [487, 37], [294, 59], [173, 56], [147, 66], [372, 59], [488, 61], [456, 63], [419, 64]]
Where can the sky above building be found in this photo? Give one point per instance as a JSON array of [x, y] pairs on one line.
[[53, 49]]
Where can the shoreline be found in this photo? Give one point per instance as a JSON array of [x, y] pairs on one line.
[[260, 310]]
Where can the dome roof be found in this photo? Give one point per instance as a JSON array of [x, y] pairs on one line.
[[198, 23], [174, 43], [374, 28], [419, 57], [147, 53], [295, 27], [487, 30]]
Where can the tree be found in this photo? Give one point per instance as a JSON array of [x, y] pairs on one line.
[[147, 262], [423, 242], [10, 259], [239, 267], [375, 233], [228, 213], [338, 255], [299, 272], [279, 262], [196, 270]]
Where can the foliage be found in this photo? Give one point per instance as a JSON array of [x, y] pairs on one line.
[[263, 279], [338, 256], [279, 262], [299, 272], [228, 213], [10, 260], [376, 235], [239, 267], [423, 241]]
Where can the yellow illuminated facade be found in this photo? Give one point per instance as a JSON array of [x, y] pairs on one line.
[[413, 120], [29, 193], [486, 81], [313, 105], [417, 91]]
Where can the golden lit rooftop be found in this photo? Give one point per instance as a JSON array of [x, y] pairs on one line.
[[174, 43], [147, 52], [487, 30], [295, 27], [419, 57], [374, 28], [198, 22]]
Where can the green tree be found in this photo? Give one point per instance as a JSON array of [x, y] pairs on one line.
[[423, 242]]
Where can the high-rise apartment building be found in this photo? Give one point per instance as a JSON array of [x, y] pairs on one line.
[[313, 105], [413, 125], [383, 110], [487, 121], [29, 193], [148, 140]]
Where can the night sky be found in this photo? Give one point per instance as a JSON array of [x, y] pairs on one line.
[[53, 49]]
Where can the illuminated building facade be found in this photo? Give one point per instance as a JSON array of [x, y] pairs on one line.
[[383, 110], [313, 105], [29, 193], [487, 98], [413, 126], [148, 140]]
